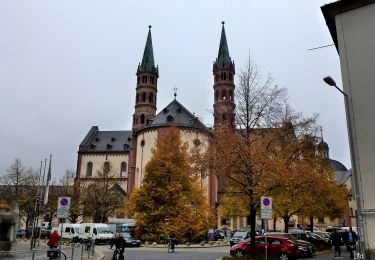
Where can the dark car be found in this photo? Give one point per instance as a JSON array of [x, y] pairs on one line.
[[45, 233], [20, 233], [320, 241], [130, 240], [277, 246], [239, 236]]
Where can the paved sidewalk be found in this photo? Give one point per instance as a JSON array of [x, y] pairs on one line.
[[23, 252]]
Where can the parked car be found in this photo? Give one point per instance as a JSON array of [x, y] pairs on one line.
[[20, 233], [319, 240], [277, 246], [306, 248], [214, 234], [239, 236], [45, 233], [29, 232], [130, 240]]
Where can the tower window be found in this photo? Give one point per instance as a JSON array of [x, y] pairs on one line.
[[123, 171], [144, 96], [89, 169], [225, 76], [151, 98], [137, 98], [106, 167], [222, 76], [216, 95], [231, 95], [138, 80], [224, 117], [144, 79], [142, 119], [224, 95], [152, 79]]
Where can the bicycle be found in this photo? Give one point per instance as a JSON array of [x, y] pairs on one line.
[[116, 254], [171, 245], [357, 253], [55, 253]]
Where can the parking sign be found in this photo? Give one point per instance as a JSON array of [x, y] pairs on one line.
[[265, 207]]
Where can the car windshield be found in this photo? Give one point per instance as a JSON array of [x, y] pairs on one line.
[[242, 234], [103, 230]]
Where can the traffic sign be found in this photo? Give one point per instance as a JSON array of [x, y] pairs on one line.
[[63, 207], [265, 207]]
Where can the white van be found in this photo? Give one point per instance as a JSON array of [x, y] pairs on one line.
[[70, 231], [98, 231]]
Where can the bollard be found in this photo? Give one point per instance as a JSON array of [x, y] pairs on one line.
[[72, 252], [33, 256], [82, 252]]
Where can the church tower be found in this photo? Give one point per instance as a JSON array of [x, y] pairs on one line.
[[223, 71], [146, 90]]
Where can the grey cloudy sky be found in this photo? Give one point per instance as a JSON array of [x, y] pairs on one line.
[[68, 65]]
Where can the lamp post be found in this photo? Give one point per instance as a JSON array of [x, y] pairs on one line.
[[358, 198]]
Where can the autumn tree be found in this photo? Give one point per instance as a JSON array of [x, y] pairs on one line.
[[239, 156], [170, 189], [102, 196]]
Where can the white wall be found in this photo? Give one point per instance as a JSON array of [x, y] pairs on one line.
[[356, 40]]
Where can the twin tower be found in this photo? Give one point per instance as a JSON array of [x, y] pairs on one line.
[[147, 81]]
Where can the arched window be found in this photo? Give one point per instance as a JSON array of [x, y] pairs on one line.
[[106, 167], [89, 169], [144, 96], [216, 95], [123, 171], [137, 98], [144, 79], [151, 98], [142, 119], [224, 95]]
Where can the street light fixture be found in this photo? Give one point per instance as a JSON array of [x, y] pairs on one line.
[[330, 81]]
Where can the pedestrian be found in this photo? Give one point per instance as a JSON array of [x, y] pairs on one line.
[[119, 243], [335, 240], [53, 242], [350, 239]]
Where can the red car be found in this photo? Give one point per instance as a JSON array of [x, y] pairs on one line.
[[277, 246]]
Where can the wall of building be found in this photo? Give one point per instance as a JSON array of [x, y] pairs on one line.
[[147, 140], [356, 41]]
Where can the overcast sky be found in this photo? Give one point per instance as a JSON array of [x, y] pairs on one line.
[[68, 65]]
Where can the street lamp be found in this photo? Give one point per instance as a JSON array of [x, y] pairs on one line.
[[330, 81]]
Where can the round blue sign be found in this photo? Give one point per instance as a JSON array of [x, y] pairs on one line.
[[266, 201], [64, 202]]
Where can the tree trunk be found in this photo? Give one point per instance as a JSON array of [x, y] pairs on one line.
[[274, 224], [311, 224], [252, 226], [286, 223]]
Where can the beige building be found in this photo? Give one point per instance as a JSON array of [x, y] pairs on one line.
[[352, 25]]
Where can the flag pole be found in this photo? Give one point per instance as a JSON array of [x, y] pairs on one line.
[[48, 180]]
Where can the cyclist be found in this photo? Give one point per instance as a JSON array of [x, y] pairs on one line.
[[119, 243], [172, 241], [53, 242]]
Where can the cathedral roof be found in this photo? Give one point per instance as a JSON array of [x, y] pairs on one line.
[[106, 141], [223, 58], [176, 114], [148, 63], [337, 166]]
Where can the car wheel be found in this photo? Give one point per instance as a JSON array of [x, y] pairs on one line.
[[240, 253], [284, 256]]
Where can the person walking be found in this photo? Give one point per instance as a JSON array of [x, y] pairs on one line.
[[350, 239], [335, 240], [119, 243]]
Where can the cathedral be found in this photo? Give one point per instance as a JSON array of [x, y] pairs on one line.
[[128, 152]]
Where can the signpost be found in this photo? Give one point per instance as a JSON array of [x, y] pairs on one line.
[[63, 207], [265, 214]]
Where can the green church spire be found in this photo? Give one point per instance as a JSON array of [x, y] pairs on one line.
[[148, 63], [223, 58]]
